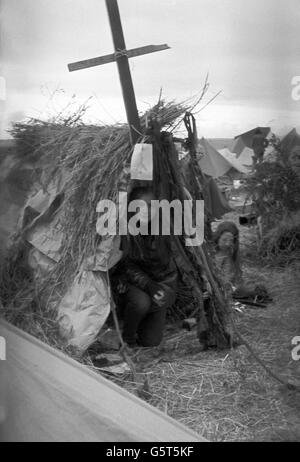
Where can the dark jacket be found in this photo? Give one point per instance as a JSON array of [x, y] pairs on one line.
[[147, 259]]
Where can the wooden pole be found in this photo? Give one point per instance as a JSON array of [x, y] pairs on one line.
[[124, 70]]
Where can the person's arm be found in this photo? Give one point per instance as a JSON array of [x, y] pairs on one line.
[[139, 278]]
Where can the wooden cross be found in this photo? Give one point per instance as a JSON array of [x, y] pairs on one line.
[[121, 56]]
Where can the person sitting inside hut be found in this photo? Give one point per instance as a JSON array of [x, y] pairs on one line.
[[259, 144], [148, 281]]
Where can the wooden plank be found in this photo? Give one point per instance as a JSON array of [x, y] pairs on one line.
[[134, 52], [124, 71], [51, 397], [92, 62]]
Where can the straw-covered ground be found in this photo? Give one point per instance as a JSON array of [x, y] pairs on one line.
[[227, 395]]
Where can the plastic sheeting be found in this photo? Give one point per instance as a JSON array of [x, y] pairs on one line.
[[85, 306], [40, 263], [84, 309], [47, 237]]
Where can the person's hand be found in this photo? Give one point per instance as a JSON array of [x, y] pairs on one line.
[[156, 292], [159, 297]]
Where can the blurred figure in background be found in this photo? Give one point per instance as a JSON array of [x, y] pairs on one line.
[[259, 144]]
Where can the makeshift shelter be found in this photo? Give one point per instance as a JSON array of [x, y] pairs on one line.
[[68, 262]]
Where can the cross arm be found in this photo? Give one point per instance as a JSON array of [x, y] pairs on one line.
[[114, 56]]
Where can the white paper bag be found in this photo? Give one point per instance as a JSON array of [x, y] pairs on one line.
[[142, 162]]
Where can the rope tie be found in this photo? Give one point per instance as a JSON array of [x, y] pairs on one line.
[[120, 53]]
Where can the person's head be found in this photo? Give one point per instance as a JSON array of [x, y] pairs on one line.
[[146, 195], [226, 241], [227, 238], [294, 160]]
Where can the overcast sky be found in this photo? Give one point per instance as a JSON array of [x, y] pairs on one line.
[[250, 48]]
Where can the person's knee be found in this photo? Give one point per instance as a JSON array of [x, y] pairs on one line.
[[139, 301]]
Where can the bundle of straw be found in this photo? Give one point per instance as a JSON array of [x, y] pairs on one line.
[[92, 159]]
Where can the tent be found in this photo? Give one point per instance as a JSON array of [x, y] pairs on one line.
[[216, 164], [215, 201], [238, 146], [242, 146], [236, 164], [290, 141], [245, 157], [46, 396], [246, 137], [212, 163]]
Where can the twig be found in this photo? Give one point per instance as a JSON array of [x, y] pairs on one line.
[[123, 349]]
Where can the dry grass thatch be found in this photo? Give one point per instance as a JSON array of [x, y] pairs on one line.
[[92, 161]]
